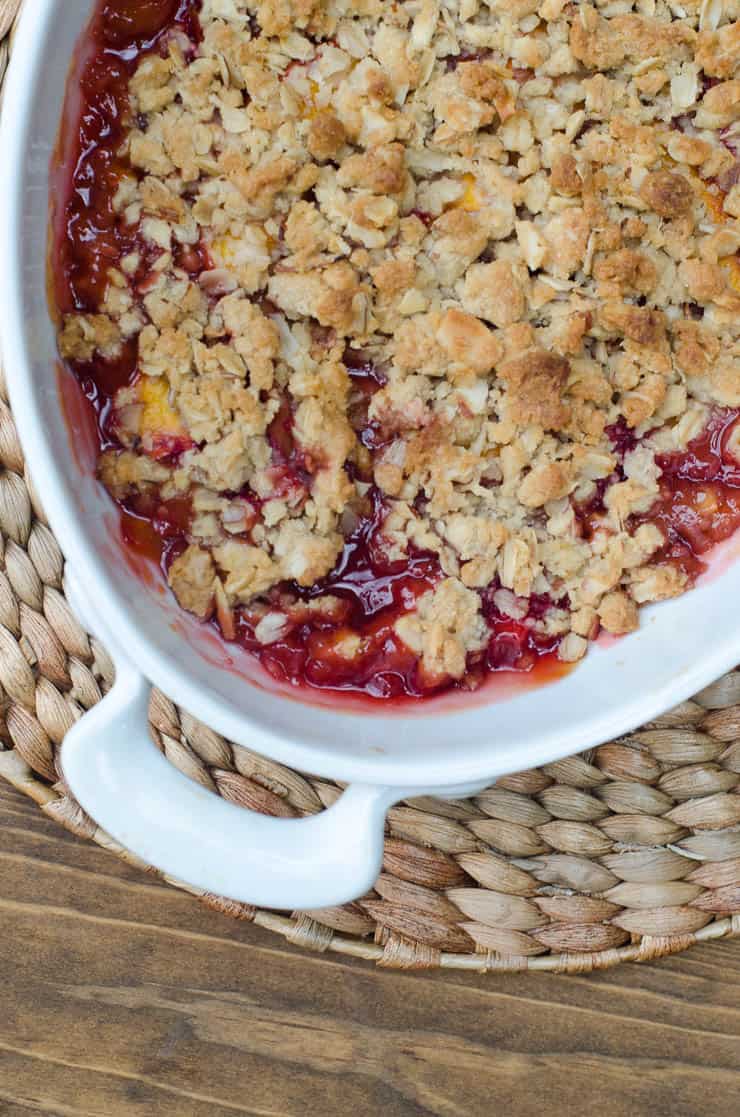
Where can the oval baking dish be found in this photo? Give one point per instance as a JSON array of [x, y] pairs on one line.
[[454, 745]]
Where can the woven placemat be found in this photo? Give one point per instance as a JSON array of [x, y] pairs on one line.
[[627, 852]]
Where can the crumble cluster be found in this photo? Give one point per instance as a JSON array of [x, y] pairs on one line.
[[522, 215]]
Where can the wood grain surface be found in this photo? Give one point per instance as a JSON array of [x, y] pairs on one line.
[[119, 995]]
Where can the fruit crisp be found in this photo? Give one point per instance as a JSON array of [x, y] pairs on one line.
[[412, 327]]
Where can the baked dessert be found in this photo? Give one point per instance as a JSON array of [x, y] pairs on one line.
[[411, 328]]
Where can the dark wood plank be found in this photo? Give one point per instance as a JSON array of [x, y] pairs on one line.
[[121, 995]]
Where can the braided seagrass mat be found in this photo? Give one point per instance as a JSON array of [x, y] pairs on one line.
[[625, 853]]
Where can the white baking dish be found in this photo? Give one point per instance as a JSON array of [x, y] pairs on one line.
[[452, 747]]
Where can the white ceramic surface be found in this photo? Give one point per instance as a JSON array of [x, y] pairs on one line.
[[117, 775]]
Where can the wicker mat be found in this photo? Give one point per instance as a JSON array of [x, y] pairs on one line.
[[627, 852]]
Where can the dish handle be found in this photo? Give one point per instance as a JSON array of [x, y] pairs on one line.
[[118, 775]]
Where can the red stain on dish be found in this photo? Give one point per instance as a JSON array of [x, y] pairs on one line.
[[81, 420], [700, 494]]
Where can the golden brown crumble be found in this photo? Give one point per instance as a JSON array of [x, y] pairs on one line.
[[522, 215]]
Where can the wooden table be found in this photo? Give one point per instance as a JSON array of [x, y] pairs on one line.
[[119, 995]]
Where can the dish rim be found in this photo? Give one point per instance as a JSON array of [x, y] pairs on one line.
[[174, 678]]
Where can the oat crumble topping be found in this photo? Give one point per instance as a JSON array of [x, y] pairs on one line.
[[479, 257]]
